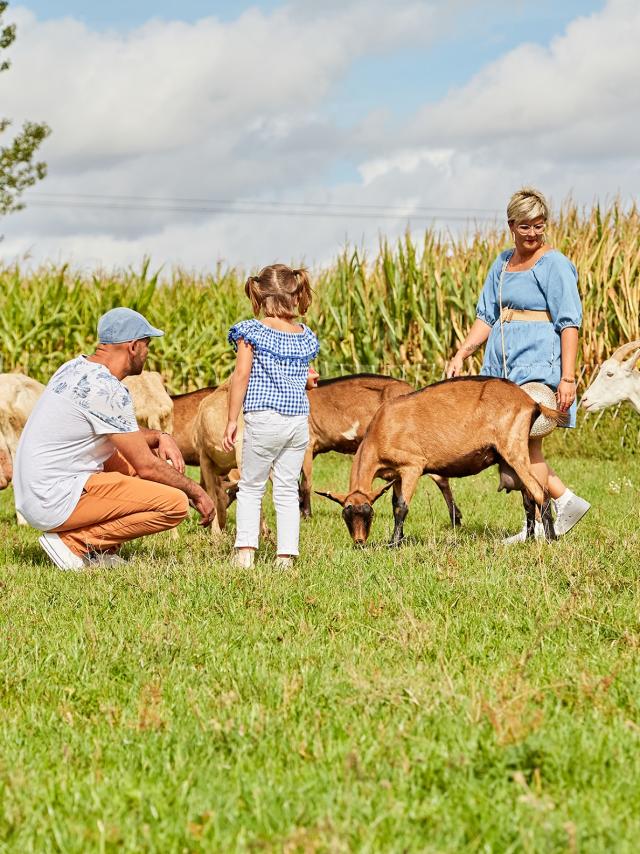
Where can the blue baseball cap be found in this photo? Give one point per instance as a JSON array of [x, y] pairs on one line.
[[124, 324]]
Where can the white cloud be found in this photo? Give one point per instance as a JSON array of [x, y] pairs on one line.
[[579, 97], [239, 109]]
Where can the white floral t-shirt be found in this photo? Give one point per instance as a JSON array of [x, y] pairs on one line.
[[66, 440]]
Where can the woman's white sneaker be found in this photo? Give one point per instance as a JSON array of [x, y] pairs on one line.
[[569, 513], [61, 554]]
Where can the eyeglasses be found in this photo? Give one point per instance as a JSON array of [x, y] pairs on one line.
[[523, 228]]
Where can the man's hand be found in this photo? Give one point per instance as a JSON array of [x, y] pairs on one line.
[[230, 435], [168, 450], [205, 507]]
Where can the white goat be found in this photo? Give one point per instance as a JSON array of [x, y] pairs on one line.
[[152, 404], [616, 380], [18, 396]]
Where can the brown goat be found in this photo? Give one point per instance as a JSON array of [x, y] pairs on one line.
[[218, 469], [341, 409], [185, 409], [453, 428]]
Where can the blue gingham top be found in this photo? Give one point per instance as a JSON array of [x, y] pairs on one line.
[[280, 366]]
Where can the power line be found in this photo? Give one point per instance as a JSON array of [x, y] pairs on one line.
[[352, 213], [259, 202]]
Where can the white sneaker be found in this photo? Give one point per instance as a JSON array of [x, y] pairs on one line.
[[570, 514], [243, 558], [521, 536], [283, 562], [61, 554], [104, 560]]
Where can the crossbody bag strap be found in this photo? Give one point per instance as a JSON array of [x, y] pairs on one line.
[[504, 355]]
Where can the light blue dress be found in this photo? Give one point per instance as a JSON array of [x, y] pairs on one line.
[[532, 347]]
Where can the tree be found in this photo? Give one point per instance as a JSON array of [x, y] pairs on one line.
[[18, 168]]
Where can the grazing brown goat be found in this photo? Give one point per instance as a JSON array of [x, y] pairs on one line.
[[341, 411], [185, 409], [454, 428]]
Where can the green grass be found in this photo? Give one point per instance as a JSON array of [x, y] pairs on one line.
[[452, 695]]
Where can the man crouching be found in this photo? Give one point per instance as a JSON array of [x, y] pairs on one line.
[[84, 472]]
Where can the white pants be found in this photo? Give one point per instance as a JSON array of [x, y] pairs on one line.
[[278, 442]]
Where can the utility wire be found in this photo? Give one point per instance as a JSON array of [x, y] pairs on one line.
[[257, 202], [356, 212]]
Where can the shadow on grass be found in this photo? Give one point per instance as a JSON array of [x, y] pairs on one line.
[[34, 554], [462, 535]]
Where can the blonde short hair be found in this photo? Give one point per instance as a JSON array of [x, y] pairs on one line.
[[527, 204]]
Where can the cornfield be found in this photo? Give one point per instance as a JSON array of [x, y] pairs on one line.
[[401, 312]]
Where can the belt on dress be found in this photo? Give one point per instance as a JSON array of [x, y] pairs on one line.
[[509, 314]]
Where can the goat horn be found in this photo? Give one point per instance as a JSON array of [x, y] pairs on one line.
[[622, 352]]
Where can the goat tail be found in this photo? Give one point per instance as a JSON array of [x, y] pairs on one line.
[[560, 418]]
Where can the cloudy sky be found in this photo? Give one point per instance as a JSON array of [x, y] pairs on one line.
[[249, 132]]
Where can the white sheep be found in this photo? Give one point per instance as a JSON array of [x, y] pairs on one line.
[[616, 380], [152, 404], [18, 396]]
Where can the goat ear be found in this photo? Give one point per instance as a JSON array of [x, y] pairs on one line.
[[338, 497], [633, 361], [375, 495]]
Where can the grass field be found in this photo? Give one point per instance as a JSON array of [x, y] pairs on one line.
[[451, 695]]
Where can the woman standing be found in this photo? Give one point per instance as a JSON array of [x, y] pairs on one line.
[[529, 313]]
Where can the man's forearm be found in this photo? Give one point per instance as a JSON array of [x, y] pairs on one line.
[[159, 471]]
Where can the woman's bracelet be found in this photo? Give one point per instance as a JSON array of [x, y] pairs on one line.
[[567, 380]]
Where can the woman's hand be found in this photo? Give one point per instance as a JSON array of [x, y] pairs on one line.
[[566, 394], [229, 437], [455, 366], [312, 378]]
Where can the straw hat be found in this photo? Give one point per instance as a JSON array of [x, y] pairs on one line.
[[541, 393]]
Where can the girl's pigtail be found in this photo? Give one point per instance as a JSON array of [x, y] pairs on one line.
[[252, 290], [303, 290]]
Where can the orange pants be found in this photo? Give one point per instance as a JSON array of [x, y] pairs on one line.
[[116, 506]]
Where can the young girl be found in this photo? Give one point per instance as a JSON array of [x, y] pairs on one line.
[[270, 379]]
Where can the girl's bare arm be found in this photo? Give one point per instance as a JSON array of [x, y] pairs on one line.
[[237, 392]]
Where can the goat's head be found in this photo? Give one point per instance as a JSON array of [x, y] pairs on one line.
[[357, 510], [615, 379]]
